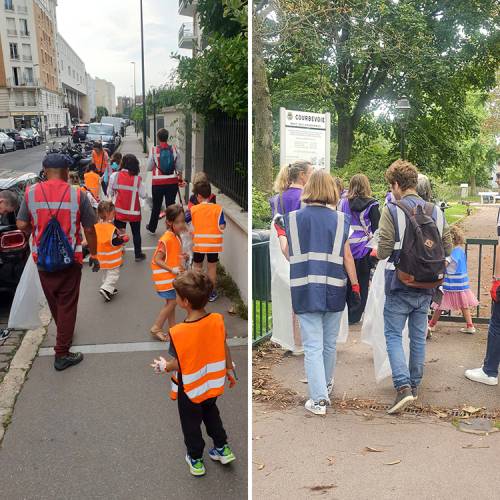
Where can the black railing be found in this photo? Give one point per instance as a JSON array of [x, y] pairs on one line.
[[226, 156], [261, 292]]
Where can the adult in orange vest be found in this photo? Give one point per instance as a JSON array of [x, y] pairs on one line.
[[127, 186], [201, 363], [165, 186], [56, 198], [109, 249], [168, 261], [100, 158], [208, 225], [92, 181]]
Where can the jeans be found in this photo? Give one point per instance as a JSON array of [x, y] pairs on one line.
[[135, 227], [492, 358], [319, 337], [399, 307], [167, 192]]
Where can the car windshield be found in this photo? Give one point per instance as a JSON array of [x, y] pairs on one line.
[[28, 132], [100, 129]]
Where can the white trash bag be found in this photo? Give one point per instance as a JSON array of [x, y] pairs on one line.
[[372, 331], [344, 327], [29, 300]]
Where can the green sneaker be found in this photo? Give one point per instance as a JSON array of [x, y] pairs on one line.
[[223, 455], [196, 466]]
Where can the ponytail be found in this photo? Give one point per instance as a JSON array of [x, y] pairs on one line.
[[289, 174], [282, 181]]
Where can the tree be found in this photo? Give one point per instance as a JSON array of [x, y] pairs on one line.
[[100, 112]]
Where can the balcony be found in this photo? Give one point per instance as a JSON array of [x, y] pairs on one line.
[[11, 32], [186, 36], [27, 58], [187, 7], [22, 9], [24, 33], [22, 82]]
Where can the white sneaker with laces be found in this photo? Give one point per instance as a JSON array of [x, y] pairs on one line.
[[316, 408], [478, 375], [469, 329]]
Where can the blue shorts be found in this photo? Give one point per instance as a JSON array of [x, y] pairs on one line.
[[168, 295]]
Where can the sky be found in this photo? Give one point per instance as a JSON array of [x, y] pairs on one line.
[[106, 36]]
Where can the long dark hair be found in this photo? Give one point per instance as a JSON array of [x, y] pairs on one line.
[[130, 163]]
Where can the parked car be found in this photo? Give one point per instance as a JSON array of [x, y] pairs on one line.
[[14, 246], [104, 133], [31, 133], [28, 140], [79, 132], [14, 134], [6, 143]]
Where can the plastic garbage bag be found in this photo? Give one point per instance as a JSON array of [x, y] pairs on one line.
[[372, 331], [187, 246], [344, 328], [29, 300]]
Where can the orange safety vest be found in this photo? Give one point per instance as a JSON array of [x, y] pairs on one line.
[[208, 237], [92, 183], [109, 256], [127, 204], [171, 245], [100, 161], [200, 348]]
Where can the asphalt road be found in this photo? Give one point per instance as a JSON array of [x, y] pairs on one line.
[[23, 160]]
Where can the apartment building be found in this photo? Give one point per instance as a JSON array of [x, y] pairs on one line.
[[105, 95], [125, 104]]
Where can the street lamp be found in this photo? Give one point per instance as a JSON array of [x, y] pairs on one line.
[[154, 115], [133, 62], [403, 107], [144, 140]]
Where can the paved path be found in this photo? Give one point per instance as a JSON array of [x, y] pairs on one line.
[[106, 428]]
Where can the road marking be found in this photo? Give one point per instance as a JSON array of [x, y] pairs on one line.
[[130, 347], [131, 249]]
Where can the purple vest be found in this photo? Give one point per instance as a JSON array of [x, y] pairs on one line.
[[361, 226]]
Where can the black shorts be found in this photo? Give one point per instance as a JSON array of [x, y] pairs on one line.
[[200, 257]]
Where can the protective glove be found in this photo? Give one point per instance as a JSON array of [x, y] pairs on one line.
[[94, 264], [159, 365], [232, 378], [175, 270], [494, 290], [355, 294], [125, 238]]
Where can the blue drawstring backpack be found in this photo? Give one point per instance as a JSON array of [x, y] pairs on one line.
[[167, 161], [54, 252]]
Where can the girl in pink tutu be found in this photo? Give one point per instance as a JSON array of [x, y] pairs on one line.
[[457, 295]]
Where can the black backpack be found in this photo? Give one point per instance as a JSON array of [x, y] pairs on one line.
[[422, 261]]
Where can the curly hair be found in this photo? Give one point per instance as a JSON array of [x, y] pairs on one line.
[[404, 173]]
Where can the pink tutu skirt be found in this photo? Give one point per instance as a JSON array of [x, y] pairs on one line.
[[454, 301]]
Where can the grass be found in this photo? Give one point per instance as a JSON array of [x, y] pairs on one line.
[[455, 213], [227, 285], [261, 306]]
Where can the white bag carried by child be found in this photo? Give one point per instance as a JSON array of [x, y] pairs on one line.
[[29, 300], [372, 331]]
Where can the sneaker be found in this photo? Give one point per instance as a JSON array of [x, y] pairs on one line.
[[71, 359], [430, 331], [316, 408], [414, 393], [329, 387], [196, 466], [404, 397], [105, 294], [140, 258], [470, 330], [149, 230], [478, 375], [223, 455], [114, 292], [298, 351], [213, 296]]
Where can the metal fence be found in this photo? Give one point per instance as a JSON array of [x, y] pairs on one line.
[[261, 292], [226, 156]]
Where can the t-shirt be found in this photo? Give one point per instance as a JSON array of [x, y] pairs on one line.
[[291, 201]]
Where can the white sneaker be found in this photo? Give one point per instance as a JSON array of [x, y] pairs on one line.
[[316, 408], [478, 375], [298, 351], [469, 329]]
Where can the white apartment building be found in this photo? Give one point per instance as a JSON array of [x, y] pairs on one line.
[[105, 95], [30, 94], [91, 109]]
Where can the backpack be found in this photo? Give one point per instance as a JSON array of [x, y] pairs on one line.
[[422, 261], [167, 161], [54, 252]]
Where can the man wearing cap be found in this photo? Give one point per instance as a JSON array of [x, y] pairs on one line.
[[488, 373], [56, 198]]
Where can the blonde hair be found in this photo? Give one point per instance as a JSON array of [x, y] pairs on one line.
[[290, 173], [104, 208], [359, 187], [457, 235], [320, 188], [339, 184], [200, 177], [74, 179]]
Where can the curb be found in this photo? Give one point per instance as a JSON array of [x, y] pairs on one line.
[[19, 367]]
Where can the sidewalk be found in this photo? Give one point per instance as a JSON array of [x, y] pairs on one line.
[[106, 428]]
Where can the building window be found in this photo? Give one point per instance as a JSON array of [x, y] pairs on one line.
[[31, 99], [21, 7], [14, 54], [23, 27], [11, 26], [19, 96], [27, 53], [16, 75], [28, 76], [8, 5]]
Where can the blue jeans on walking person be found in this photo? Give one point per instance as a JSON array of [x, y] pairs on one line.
[[319, 331], [492, 358], [400, 307]]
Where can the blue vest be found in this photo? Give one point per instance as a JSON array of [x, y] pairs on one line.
[[459, 280], [392, 282], [316, 238]]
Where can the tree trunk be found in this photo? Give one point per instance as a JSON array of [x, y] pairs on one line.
[[472, 185], [345, 139], [263, 118]]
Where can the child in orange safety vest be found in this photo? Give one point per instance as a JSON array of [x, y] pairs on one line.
[[92, 181], [201, 364], [208, 232], [109, 249], [168, 261]]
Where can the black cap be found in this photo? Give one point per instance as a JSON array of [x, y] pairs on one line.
[[56, 160]]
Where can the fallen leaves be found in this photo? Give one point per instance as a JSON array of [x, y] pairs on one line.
[[373, 450], [472, 447], [471, 409], [331, 460], [323, 487], [259, 465], [394, 462]]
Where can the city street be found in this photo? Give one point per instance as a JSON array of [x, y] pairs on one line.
[[107, 428], [24, 160]]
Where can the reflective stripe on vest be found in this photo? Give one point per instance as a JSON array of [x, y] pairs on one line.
[[127, 200], [200, 348], [109, 256], [207, 238], [41, 210], [159, 178], [171, 245], [458, 281], [174, 386]]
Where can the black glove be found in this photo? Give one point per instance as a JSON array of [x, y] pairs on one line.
[[94, 264]]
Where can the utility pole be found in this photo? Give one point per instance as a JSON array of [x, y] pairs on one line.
[[154, 115], [144, 132]]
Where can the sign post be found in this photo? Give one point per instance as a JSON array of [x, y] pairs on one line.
[[305, 136]]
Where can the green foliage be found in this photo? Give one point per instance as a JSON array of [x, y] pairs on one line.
[[100, 112], [164, 96], [221, 17], [261, 210]]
